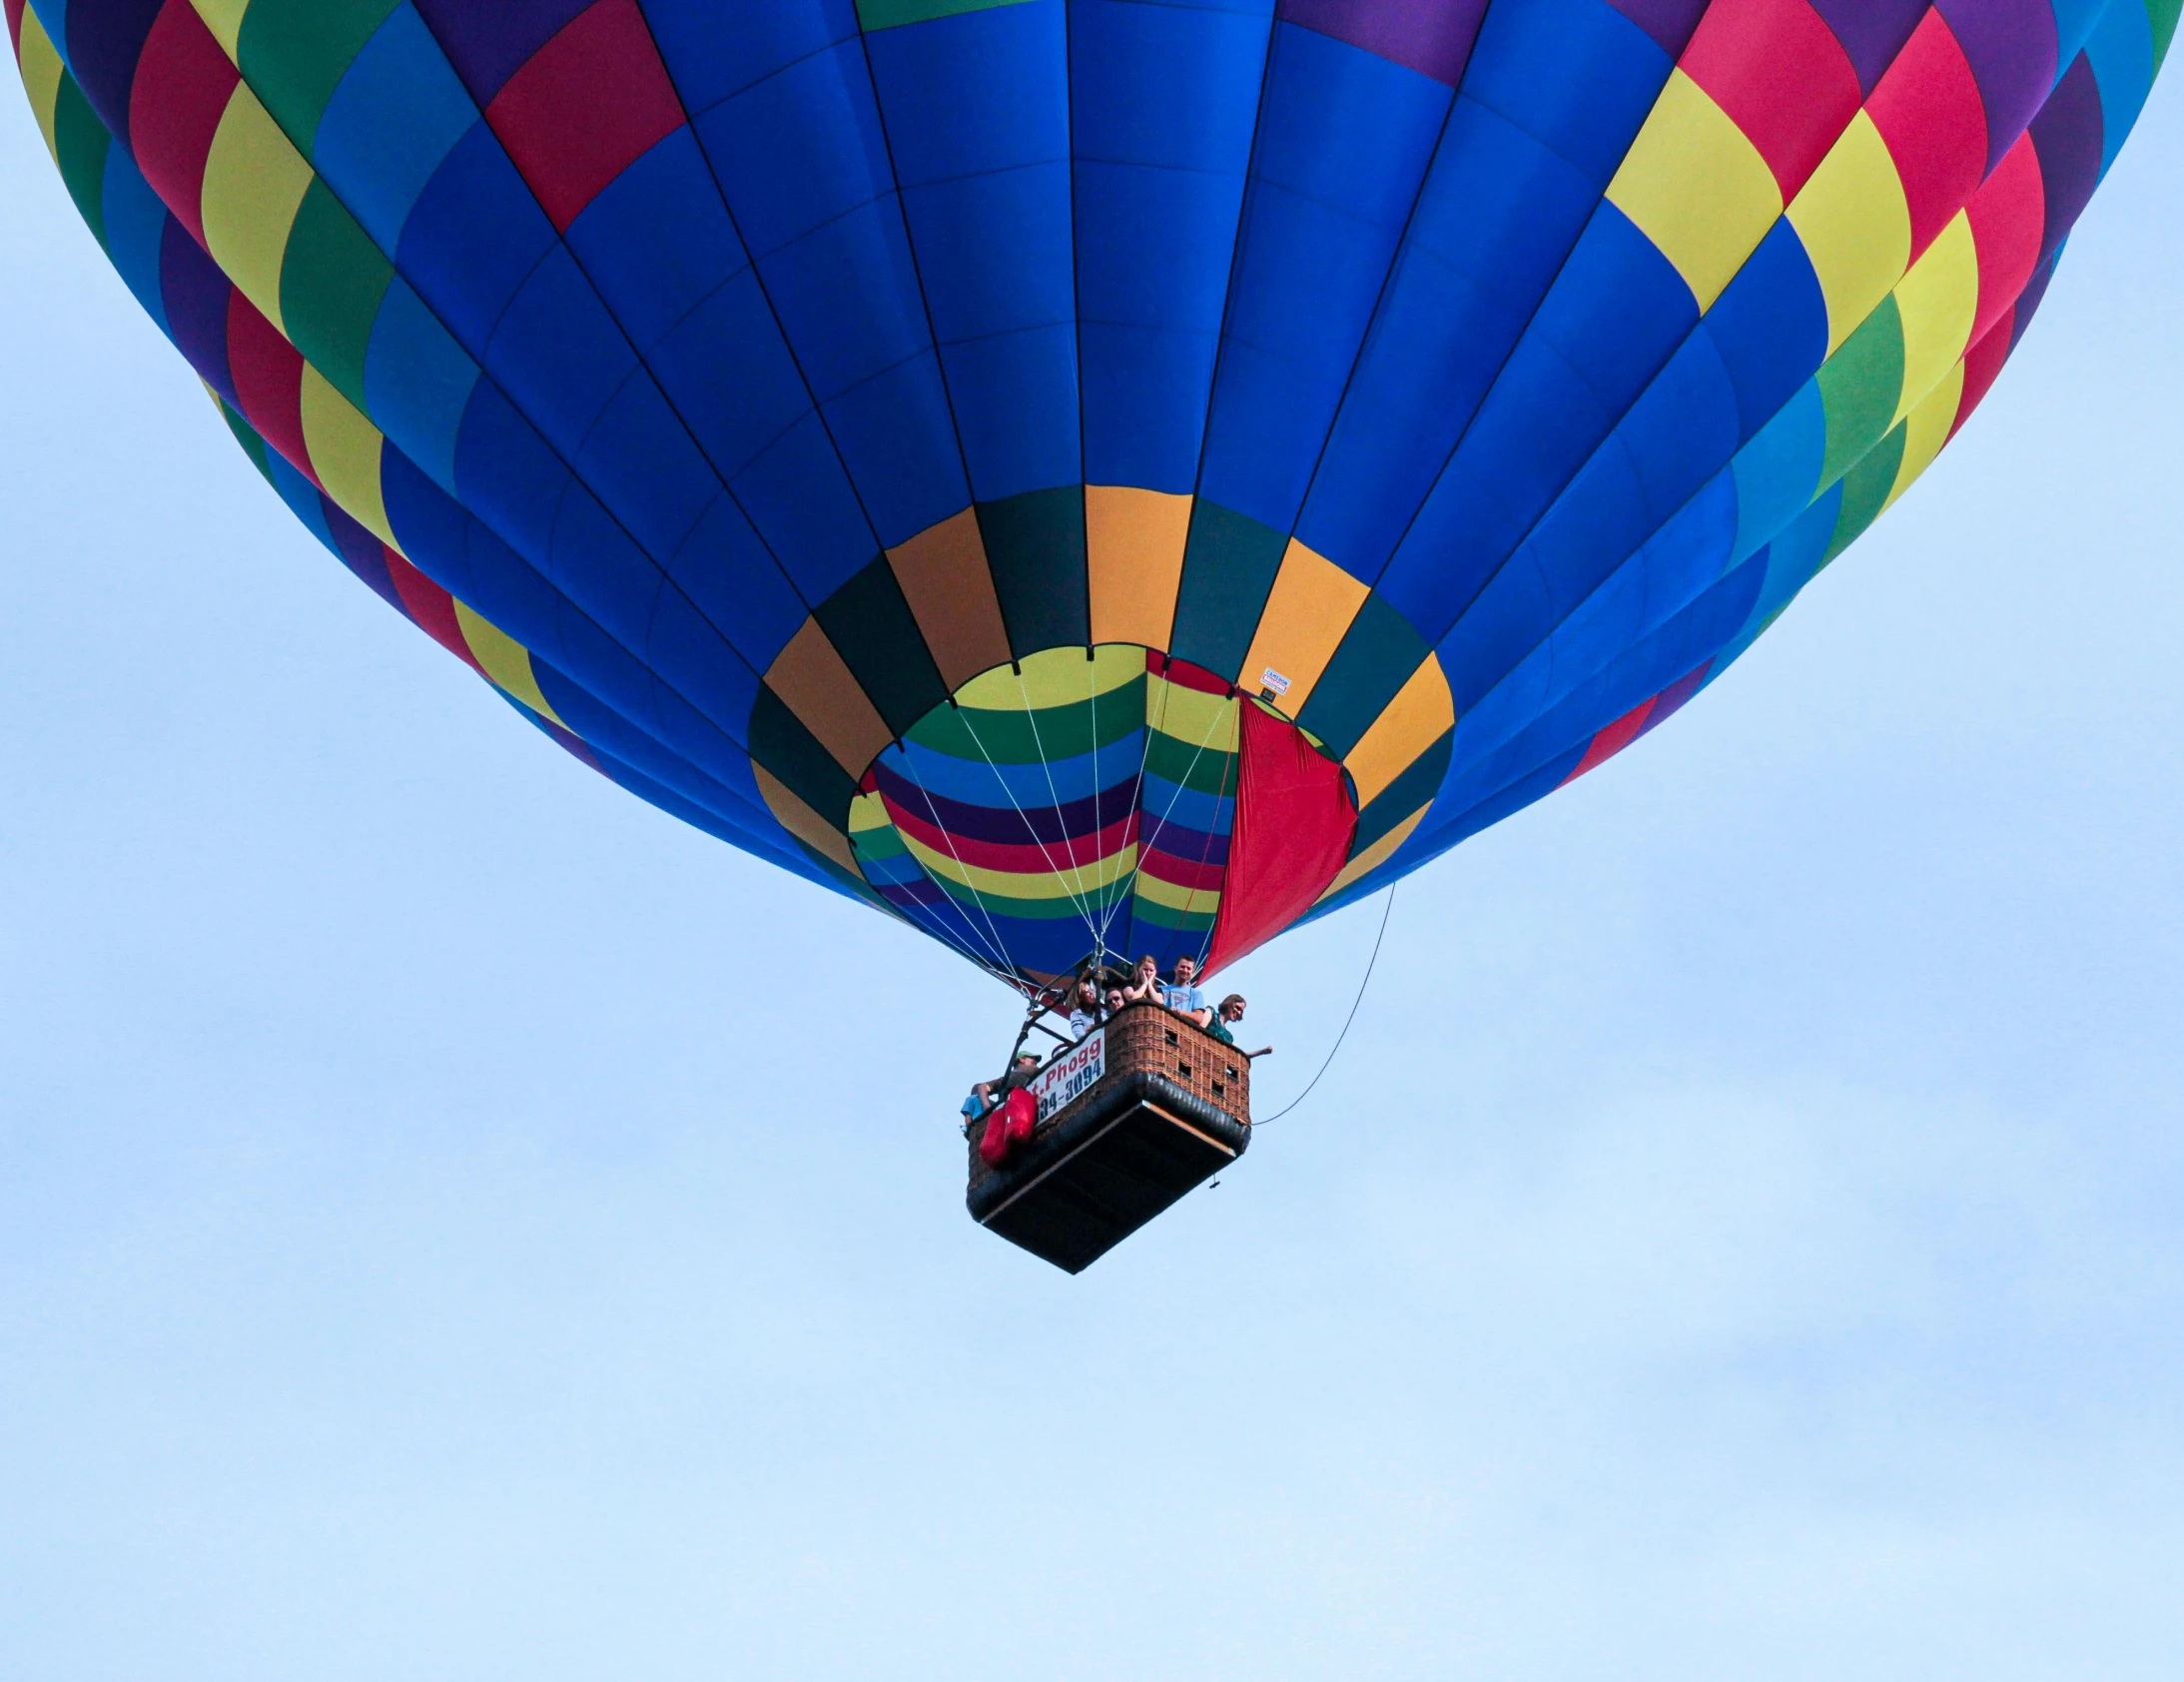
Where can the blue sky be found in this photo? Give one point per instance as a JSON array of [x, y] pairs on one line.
[[455, 1223]]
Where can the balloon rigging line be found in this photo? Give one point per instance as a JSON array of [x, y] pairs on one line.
[[1352, 1017], [1076, 900], [1048, 771], [993, 935], [1139, 864]]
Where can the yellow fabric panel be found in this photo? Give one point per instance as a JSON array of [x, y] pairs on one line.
[[346, 450], [1066, 882], [1308, 610], [1697, 188], [1855, 227], [945, 578], [1134, 551], [506, 661], [868, 812], [1937, 299], [254, 182], [804, 823], [1149, 886], [1053, 677], [1191, 716], [1378, 854], [40, 67], [225, 19], [1928, 429], [827, 698], [1422, 709]]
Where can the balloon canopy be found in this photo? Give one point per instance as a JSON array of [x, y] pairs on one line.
[[1089, 475]]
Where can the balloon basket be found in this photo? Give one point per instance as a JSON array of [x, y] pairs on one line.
[[1135, 1116]]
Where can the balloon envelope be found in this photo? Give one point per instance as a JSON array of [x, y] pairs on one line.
[[1089, 475]]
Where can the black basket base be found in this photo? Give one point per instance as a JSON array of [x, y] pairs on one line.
[[1124, 1155]]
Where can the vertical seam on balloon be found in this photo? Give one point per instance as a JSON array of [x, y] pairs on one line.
[[1075, 896], [1221, 894], [1228, 290], [1077, 303], [924, 301]]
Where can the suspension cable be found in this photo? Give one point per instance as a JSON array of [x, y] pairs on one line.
[[1352, 1017]]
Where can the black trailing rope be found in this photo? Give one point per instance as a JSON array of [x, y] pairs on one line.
[[1352, 1017]]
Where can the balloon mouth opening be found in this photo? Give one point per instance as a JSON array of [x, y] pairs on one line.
[[1077, 805]]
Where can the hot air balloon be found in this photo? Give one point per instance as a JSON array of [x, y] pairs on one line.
[[1090, 476]]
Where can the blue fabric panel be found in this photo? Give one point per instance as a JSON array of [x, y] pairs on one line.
[[976, 114], [299, 494], [2074, 24], [800, 148], [1617, 312], [1499, 214], [2121, 49], [474, 235], [716, 48], [556, 351], [846, 295], [196, 295], [1576, 74], [135, 223], [1016, 411], [692, 657], [1683, 431], [418, 382], [642, 462], [896, 437], [397, 113], [1770, 326], [1778, 471], [1164, 101], [490, 44], [732, 580], [730, 377], [1344, 143], [974, 782], [801, 503], [594, 564], [657, 240], [506, 474]]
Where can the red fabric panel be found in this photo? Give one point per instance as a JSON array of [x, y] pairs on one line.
[[431, 610], [1782, 78], [1184, 673], [269, 381], [2008, 217], [183, 84], [592, 101], [1927, 108], [1295, 824]]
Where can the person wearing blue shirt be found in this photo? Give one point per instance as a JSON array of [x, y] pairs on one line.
[[1184, 998]]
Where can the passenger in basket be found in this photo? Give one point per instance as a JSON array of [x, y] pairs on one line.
[[1225, 1018], [1183, 997], [987, 1094], [1145, 984], [1086, 1009]]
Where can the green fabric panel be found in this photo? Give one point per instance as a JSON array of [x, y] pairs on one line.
[[1418, 783], [295, 52], [892, 14], [333, 278], [1229, 573], [877, 846], [1861, 385], [1211, 770], [2162, 15], [81, 140], [1866, 490], [873, 629], [1184, 922], [247, 436], [1034, 547], [792, 753], [1044, 910], [1376, 658], [835, 873], [1016, 738]]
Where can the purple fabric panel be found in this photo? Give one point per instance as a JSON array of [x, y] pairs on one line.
[[489, 41], [2067, 135], [361, 553], [1669, 22], [105, 40], [1670, 701], [2028, 301], [1432, 37], [1051, 824], [1872, 32], [2010, 45], [196, 293]]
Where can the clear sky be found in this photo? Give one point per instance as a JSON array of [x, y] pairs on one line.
[[455, 1223]]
